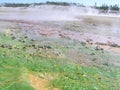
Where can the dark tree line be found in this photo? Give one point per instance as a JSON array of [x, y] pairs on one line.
[[26, 5], [106, 7], [16, 5], [46, 3], [58, 3], [114, 7]]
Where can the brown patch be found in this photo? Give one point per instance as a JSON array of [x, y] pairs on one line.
[[107, 48], [83, 59], [40, 83]]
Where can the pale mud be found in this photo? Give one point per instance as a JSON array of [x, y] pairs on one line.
[[56, 32]]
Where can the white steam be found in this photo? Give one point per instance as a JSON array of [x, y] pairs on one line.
[[45, 12]]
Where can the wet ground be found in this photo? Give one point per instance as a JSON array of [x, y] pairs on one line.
[[101, 33]]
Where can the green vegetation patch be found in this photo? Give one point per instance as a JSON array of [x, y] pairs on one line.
[[16, 64]]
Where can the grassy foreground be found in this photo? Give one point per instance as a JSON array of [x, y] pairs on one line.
[[17, 62]]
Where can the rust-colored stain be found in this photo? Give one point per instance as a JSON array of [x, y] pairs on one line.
[[39, 83]]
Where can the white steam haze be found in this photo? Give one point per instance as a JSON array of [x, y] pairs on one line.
[[45, 12]]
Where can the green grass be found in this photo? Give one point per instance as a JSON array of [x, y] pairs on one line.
[[87, 78], [13, 78], [16, 64]]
